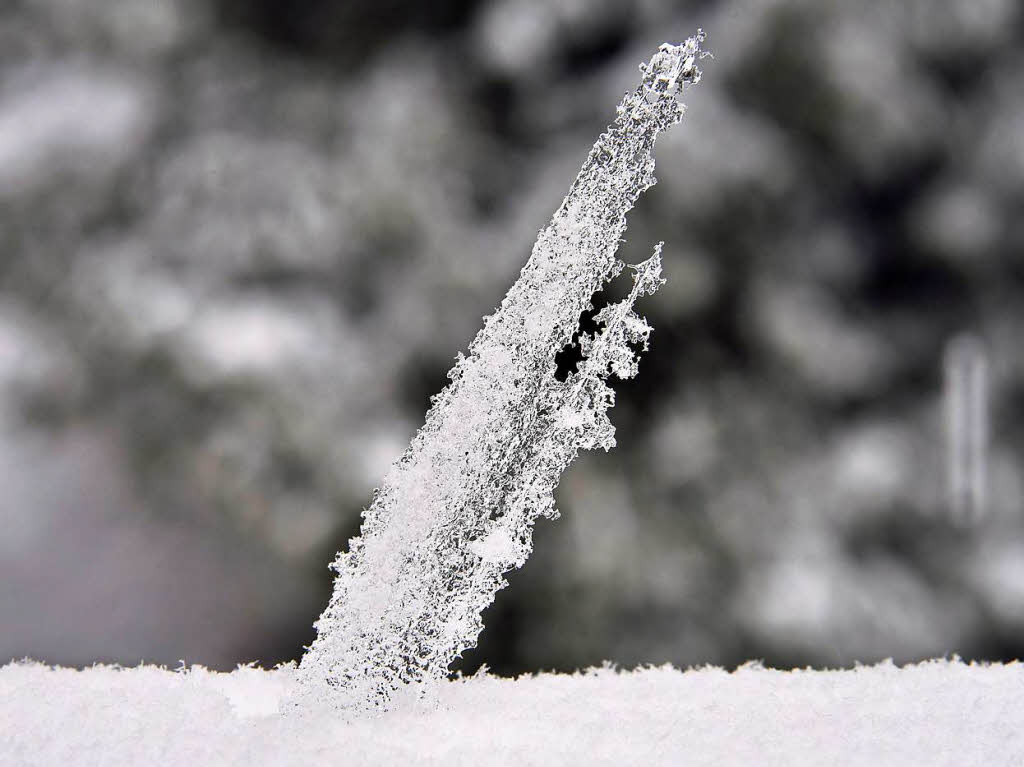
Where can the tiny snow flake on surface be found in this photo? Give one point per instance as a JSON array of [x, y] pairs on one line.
[[935, 713]]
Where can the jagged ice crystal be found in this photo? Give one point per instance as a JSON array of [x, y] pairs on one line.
[[456, 511]]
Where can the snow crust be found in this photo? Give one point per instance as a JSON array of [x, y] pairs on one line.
[[936, 713]]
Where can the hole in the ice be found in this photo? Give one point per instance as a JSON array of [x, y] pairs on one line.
[[567, 359]]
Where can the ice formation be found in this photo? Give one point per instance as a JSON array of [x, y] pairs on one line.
[[456, 511]]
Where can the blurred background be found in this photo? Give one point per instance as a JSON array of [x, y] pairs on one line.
[[241, 242]]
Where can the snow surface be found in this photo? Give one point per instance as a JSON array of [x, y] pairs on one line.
[[935, 713]]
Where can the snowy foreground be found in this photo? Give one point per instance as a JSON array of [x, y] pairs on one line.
[[936, 713]]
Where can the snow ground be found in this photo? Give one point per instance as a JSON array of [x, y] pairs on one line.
[[935, 713]]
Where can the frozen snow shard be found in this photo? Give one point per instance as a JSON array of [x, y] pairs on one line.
[[456, 511]]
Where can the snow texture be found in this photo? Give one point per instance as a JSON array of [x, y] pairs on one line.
[[456, 511], [936, 713]]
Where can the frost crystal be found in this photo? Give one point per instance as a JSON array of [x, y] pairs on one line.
[[456, 511]]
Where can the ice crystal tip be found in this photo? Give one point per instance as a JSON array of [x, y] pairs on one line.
[[674, 66], [647, 274]]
